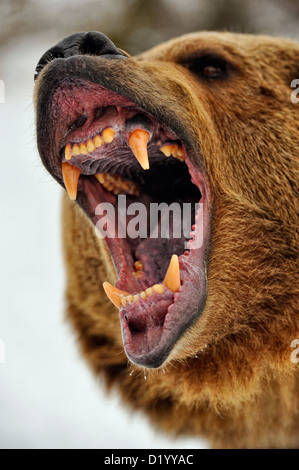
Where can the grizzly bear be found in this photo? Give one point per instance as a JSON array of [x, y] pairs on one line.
[[203, 302]]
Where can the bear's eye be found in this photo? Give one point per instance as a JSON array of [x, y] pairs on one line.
[[209, 67], [211, 71]]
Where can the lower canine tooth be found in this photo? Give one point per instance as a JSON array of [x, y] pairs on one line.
[[71, 176], [114, 295]]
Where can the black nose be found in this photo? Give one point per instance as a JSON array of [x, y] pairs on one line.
[[92, 43]]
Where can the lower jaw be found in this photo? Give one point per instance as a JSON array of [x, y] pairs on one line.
[[149, 337], [152, 347]]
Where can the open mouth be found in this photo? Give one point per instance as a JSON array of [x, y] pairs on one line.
[[138, 183]]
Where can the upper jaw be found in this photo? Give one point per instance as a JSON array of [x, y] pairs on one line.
[[77, 70], [63, 123]]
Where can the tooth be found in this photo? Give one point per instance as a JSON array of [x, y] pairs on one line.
[[114, 295], [138, 141], [83, 149], [90, 145], [76, 149], [173, 149], [116, 184], [137, 274], [158, 288], [108, 135], [71, 176], [100, 177], [98, 142], [136, 298], [178, 152], [143, 295], [68, 153], [166, 149], [138, 265], [172, 277], [149, 291]]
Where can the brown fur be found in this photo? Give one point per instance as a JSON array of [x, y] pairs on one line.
[[230, 377]]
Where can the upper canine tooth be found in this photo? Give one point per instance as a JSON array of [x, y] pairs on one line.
[[71, 176], [138, 141], [68, 152], [108, 135], [114, 295], [172, 278]]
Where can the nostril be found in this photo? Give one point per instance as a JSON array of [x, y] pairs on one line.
[[92, 43]]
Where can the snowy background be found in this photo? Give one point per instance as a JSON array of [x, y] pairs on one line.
[[48, 397]]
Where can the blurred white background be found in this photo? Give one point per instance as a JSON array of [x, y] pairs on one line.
[[48, 397]]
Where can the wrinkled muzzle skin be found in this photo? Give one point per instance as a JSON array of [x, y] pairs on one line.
[[215, 349]]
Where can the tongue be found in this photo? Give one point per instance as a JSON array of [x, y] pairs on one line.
[[145, 315], [155, 252]]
